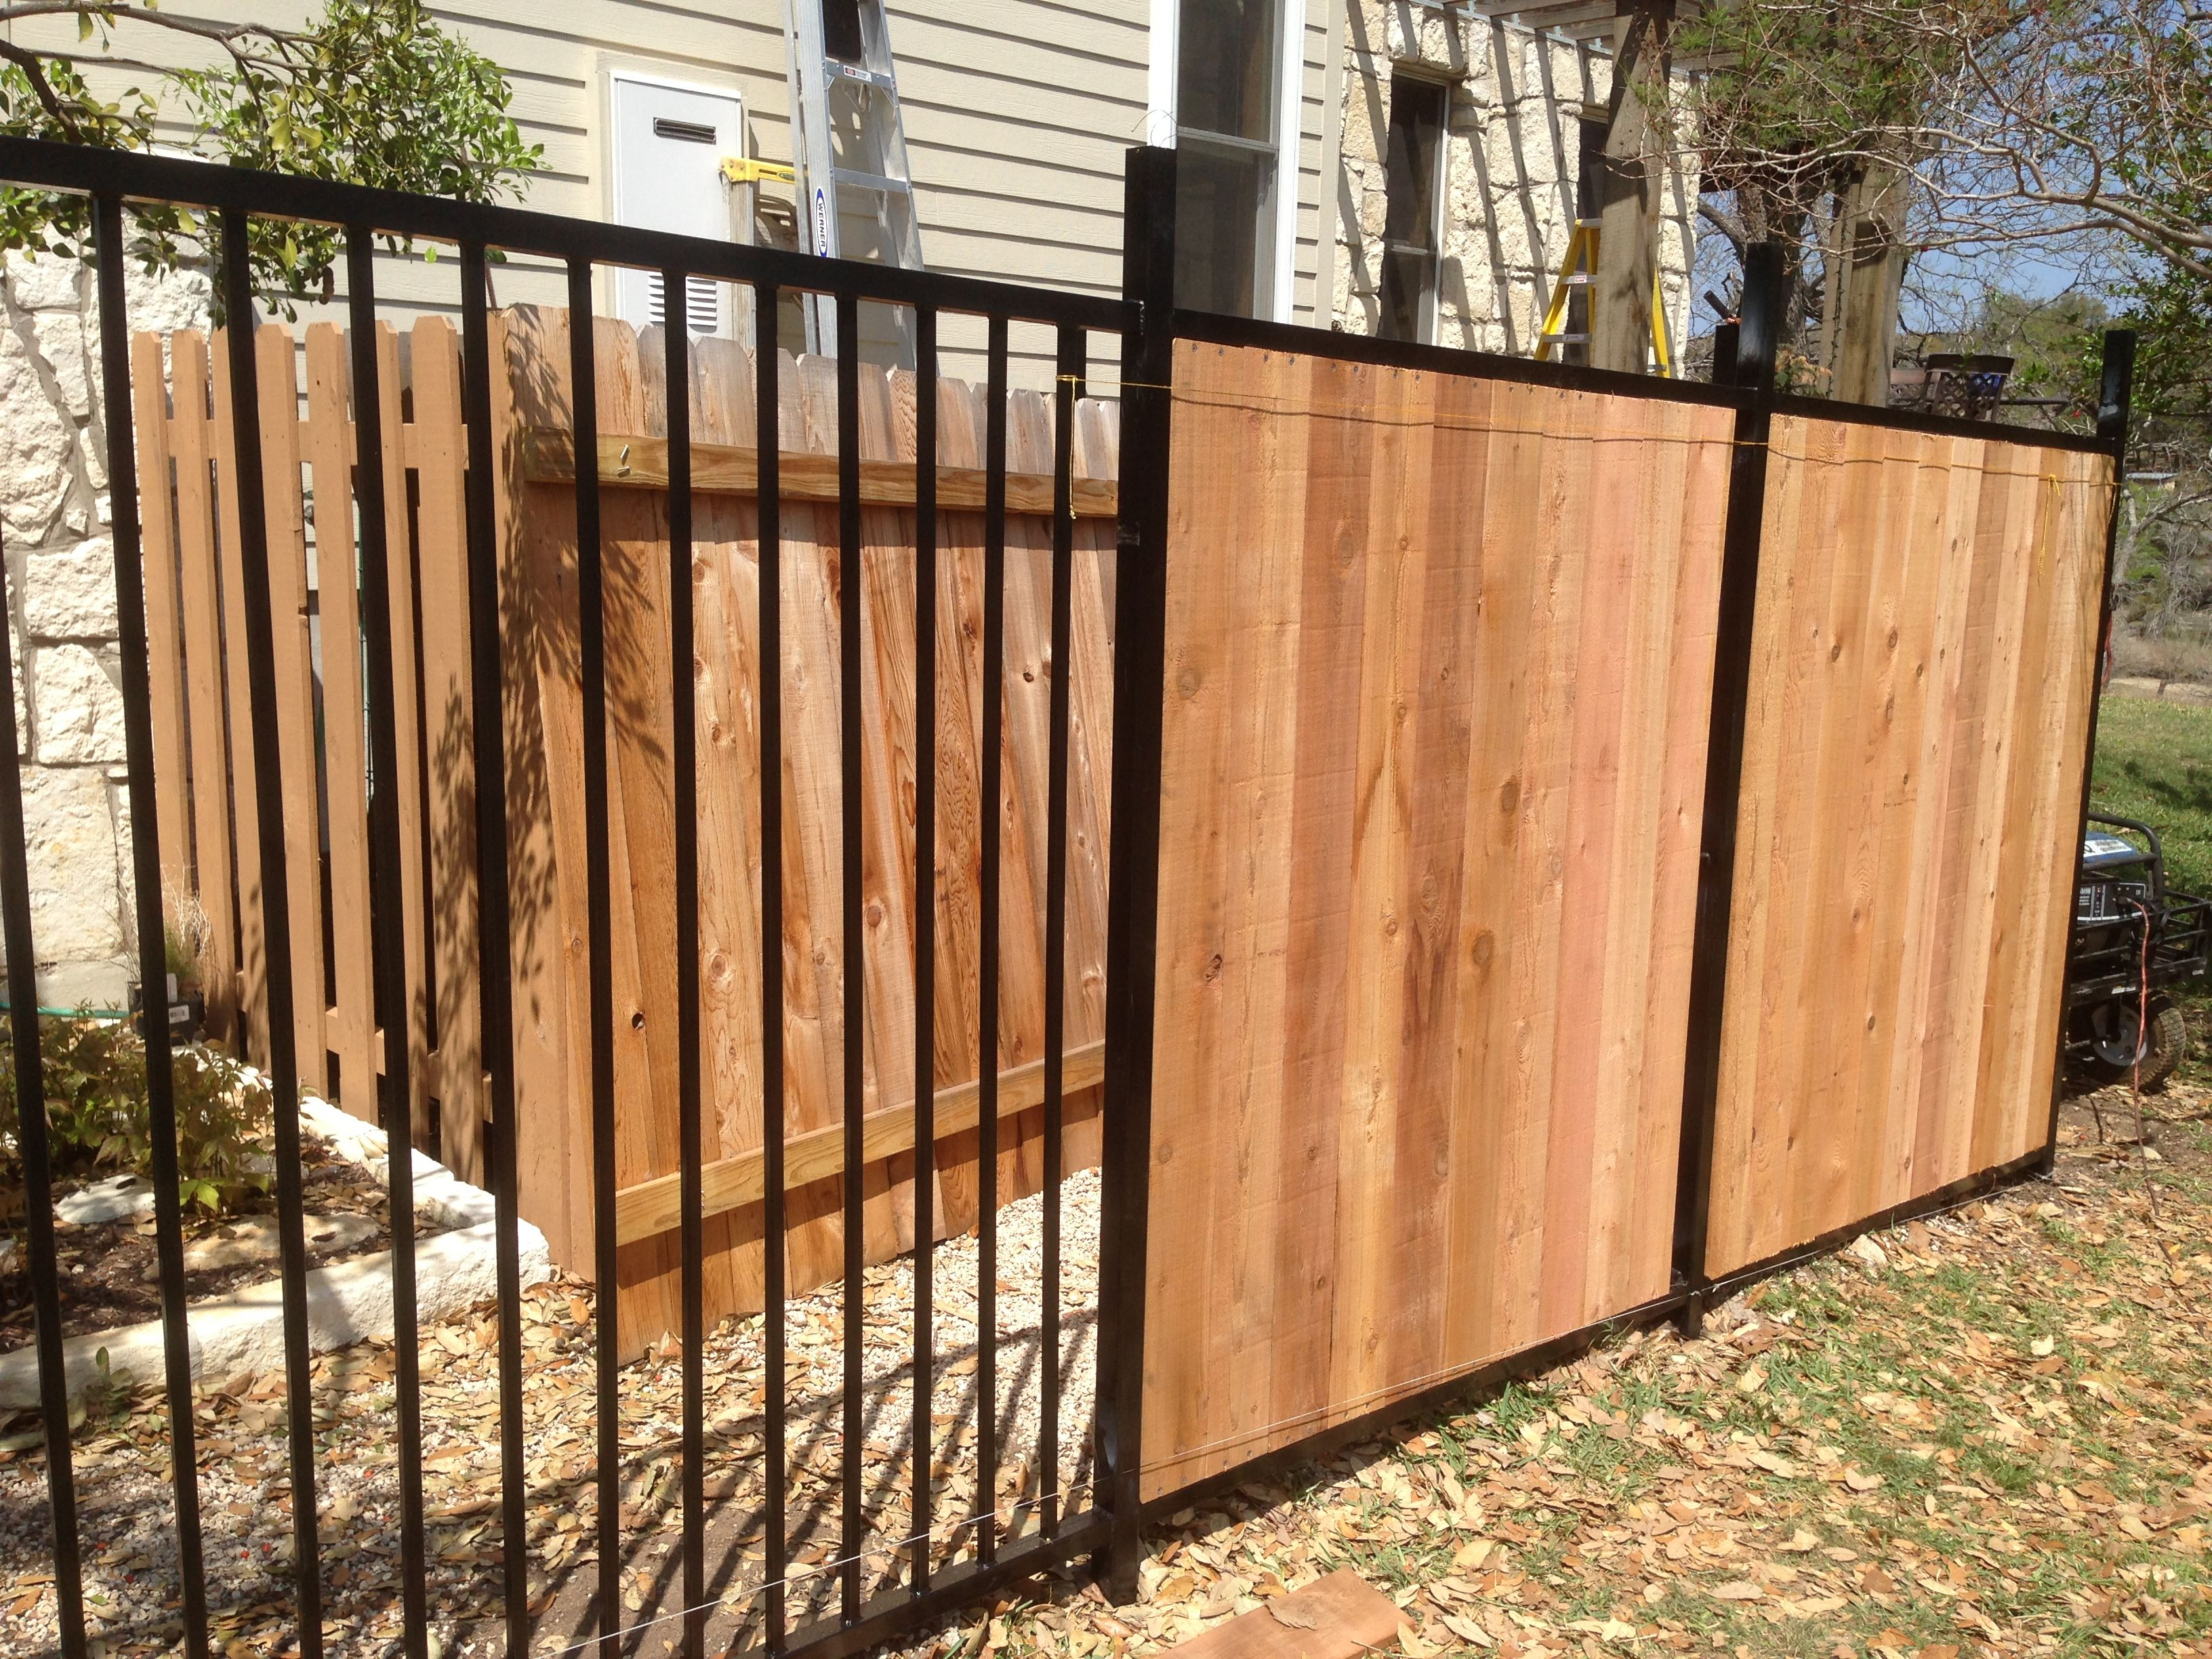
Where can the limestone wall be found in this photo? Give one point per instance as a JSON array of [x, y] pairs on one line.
[[1512, 151], [54, 525]]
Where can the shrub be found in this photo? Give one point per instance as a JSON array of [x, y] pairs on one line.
[[98, 1116]]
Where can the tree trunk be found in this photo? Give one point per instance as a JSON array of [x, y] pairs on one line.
[[1629, 193], [1873, 269]]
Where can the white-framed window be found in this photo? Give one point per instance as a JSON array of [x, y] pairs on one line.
[[1236, 67], [668, 142], [1412, 220]]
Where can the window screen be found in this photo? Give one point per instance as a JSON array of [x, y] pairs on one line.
[[1412, 237]]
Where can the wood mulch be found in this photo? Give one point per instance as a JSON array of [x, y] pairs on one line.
[[245, 1491], [1987, 1433]]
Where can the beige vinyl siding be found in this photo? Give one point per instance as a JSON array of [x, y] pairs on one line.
[[1017, 116]]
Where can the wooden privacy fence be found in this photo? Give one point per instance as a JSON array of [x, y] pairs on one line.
[[207, 779], [1438, 684], [1439, 692], [1923, 667], [207, 787]]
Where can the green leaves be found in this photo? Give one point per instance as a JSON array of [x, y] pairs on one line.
[[373, 93], [98, 1115]]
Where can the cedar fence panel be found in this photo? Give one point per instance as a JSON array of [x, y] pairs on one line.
[[194, 606], [200, 704], [1438, 663], [1923, 664], [545, 739]]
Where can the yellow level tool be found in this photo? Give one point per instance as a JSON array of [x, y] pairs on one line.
[[1579, 270], [744, 170]]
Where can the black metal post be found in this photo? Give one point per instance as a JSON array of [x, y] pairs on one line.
[[1726, 340], [494, 996], [766, 366], [1067, 387], [924, 936], [275, 914], [2115, 397], [146, 874], [851, 599], [38, 1174], [1756, 345], [1140, 592], [684, 695], [598, 905], [387, 923], [987, 1023]]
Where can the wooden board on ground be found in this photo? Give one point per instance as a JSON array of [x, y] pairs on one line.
[[1437, 683], [1337, 1617], [1923, 662]]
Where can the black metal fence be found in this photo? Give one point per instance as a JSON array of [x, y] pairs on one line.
[[1062, 1525], [1055, 1527]]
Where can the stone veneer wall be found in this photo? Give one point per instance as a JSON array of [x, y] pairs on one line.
[[1512, 151], [54, 519]]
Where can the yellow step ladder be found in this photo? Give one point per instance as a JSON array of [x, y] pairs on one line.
[[1579, 270]]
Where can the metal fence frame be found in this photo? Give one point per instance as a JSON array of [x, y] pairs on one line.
[[1109, 1528]]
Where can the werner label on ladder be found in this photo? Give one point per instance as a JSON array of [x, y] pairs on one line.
[[848, 141]]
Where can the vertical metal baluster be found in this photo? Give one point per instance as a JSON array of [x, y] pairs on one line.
[[684, 695], [275, 914], [388, 924], [768, 428], [848, 736], [37, 1171], [925, 925], [986, 1045], [591, 639], [1066, 388], [146, 875], [1734, 623], [494, 948]]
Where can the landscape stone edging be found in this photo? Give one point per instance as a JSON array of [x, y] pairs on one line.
[[348, 1302], [2148, 688]]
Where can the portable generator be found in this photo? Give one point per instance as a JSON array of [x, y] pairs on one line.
[[2134, 940]]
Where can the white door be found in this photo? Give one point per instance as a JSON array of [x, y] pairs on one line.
[[669, 144]]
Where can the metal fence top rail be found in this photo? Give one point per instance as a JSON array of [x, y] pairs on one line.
[[134, 177], [1228, 331]]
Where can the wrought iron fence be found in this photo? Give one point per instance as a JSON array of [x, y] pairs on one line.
[[1049, 1526], [1054, 1521]]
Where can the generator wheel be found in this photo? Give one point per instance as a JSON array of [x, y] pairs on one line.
[[2114, 1044]]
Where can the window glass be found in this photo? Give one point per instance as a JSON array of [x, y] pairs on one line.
[[1226, 68], [1221, 198], [1225, 130], [1411, 235]]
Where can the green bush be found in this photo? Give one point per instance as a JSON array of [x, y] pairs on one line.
[[98, 1117]]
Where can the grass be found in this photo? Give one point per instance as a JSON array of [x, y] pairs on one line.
[[1984, 1444], [2155, 763]]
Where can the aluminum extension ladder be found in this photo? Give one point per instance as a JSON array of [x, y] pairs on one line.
[[848, 140]]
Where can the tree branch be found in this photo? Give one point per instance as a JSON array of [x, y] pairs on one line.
[[27, 61]]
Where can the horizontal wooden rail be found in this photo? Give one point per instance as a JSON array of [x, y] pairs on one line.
[[548, 456], [653, 1207]]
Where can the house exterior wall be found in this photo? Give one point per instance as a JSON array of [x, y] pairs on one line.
[[1017, 113], [61, 616], [1511, 158]]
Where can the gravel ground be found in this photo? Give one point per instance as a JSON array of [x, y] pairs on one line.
[[126, 1516]]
